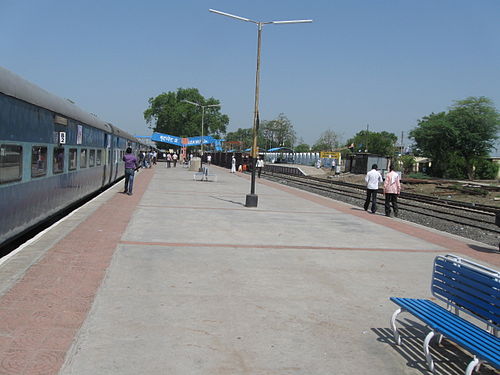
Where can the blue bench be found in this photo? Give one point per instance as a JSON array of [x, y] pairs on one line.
[[465, 287]]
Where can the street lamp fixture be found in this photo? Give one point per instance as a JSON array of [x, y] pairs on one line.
[[252, 198], [202, 117]]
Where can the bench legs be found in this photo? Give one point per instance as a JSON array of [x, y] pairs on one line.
[[473, 366], [397, 337], [428, 338], [430, 362]]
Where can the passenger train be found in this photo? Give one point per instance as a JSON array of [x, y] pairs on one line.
[[52, 154]]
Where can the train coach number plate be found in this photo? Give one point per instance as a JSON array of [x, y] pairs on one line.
[[62, 138]]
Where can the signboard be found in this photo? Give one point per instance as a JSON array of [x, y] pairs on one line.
[[62, 138], [184, 142], [329, 155]]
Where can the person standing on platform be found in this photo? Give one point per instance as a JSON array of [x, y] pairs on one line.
[[169, 160], [372, 178], [209, 159], [259, 165], [233, 164], [131, 165], [142, 159], [174, 159], [392, 188]]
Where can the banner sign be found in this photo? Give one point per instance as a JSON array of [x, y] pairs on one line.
[[186, 142], [329, 155], [165, 138]]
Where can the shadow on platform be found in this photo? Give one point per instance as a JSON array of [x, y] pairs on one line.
[[449, 359]]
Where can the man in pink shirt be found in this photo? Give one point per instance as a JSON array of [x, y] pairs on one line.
[[392, 188]]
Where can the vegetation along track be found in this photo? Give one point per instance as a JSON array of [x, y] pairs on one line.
[[476, 222]]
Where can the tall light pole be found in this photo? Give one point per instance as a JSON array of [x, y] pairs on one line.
[[252, 198], [202, 117]]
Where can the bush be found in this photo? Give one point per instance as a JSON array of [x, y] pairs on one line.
[[408, 162], [486, 170]]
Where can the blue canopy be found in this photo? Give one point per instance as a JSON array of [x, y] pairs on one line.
[[280, 149]]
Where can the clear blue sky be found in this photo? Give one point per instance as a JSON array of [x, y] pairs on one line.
[[385, 63]]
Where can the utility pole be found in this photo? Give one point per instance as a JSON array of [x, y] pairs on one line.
[[402, 147], [367, 136]]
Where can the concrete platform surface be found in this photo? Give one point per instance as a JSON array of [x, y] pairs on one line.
[[181, 278]]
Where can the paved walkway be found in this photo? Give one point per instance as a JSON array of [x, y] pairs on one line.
[[181, 278]]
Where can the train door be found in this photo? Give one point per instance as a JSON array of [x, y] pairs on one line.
[[110, 164], [117, 159]]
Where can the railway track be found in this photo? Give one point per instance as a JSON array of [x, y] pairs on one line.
[[468, 220]]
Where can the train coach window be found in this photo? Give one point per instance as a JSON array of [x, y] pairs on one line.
[[11, 163], [83, 158], [58, 160], [38, 161], [98, 157], [72, 159], [91, 158]]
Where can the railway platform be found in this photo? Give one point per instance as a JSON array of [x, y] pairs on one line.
[[181, 278]]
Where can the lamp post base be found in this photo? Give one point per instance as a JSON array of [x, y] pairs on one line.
[[251, 200]]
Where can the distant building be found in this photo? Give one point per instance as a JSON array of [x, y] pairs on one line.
[[361, 163]]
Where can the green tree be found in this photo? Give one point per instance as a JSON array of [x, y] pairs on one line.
[[456, 141], [243, 136], [477, 123], [407, 162], [277, 133], [434, 139], [328, 141], [167, 113], [381, 143], [303, 147]]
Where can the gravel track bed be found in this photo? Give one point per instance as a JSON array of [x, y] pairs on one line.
[[465, 231]]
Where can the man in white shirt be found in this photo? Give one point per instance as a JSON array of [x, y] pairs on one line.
[[233, 164], [373, 178], [259, 165]]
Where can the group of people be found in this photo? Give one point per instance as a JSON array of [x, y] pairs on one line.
[[171, 158], [392, 184], [259, 165], [147, 158], [392, 188]]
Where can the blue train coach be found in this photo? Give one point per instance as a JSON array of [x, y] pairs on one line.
[[52, 154]]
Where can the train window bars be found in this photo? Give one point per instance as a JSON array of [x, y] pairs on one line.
[[11, 163], [98, 158], [91, 158], [38, 161], [83, 158], [72, 159], [58, 160]]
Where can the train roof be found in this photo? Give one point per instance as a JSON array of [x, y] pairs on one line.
[[13, 85]]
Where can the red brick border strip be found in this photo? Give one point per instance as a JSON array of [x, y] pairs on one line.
[[41, 314]]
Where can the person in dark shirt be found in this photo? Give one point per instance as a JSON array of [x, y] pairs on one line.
[[131, 165]]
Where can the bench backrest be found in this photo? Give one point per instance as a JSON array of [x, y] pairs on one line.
[[469, 287]]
